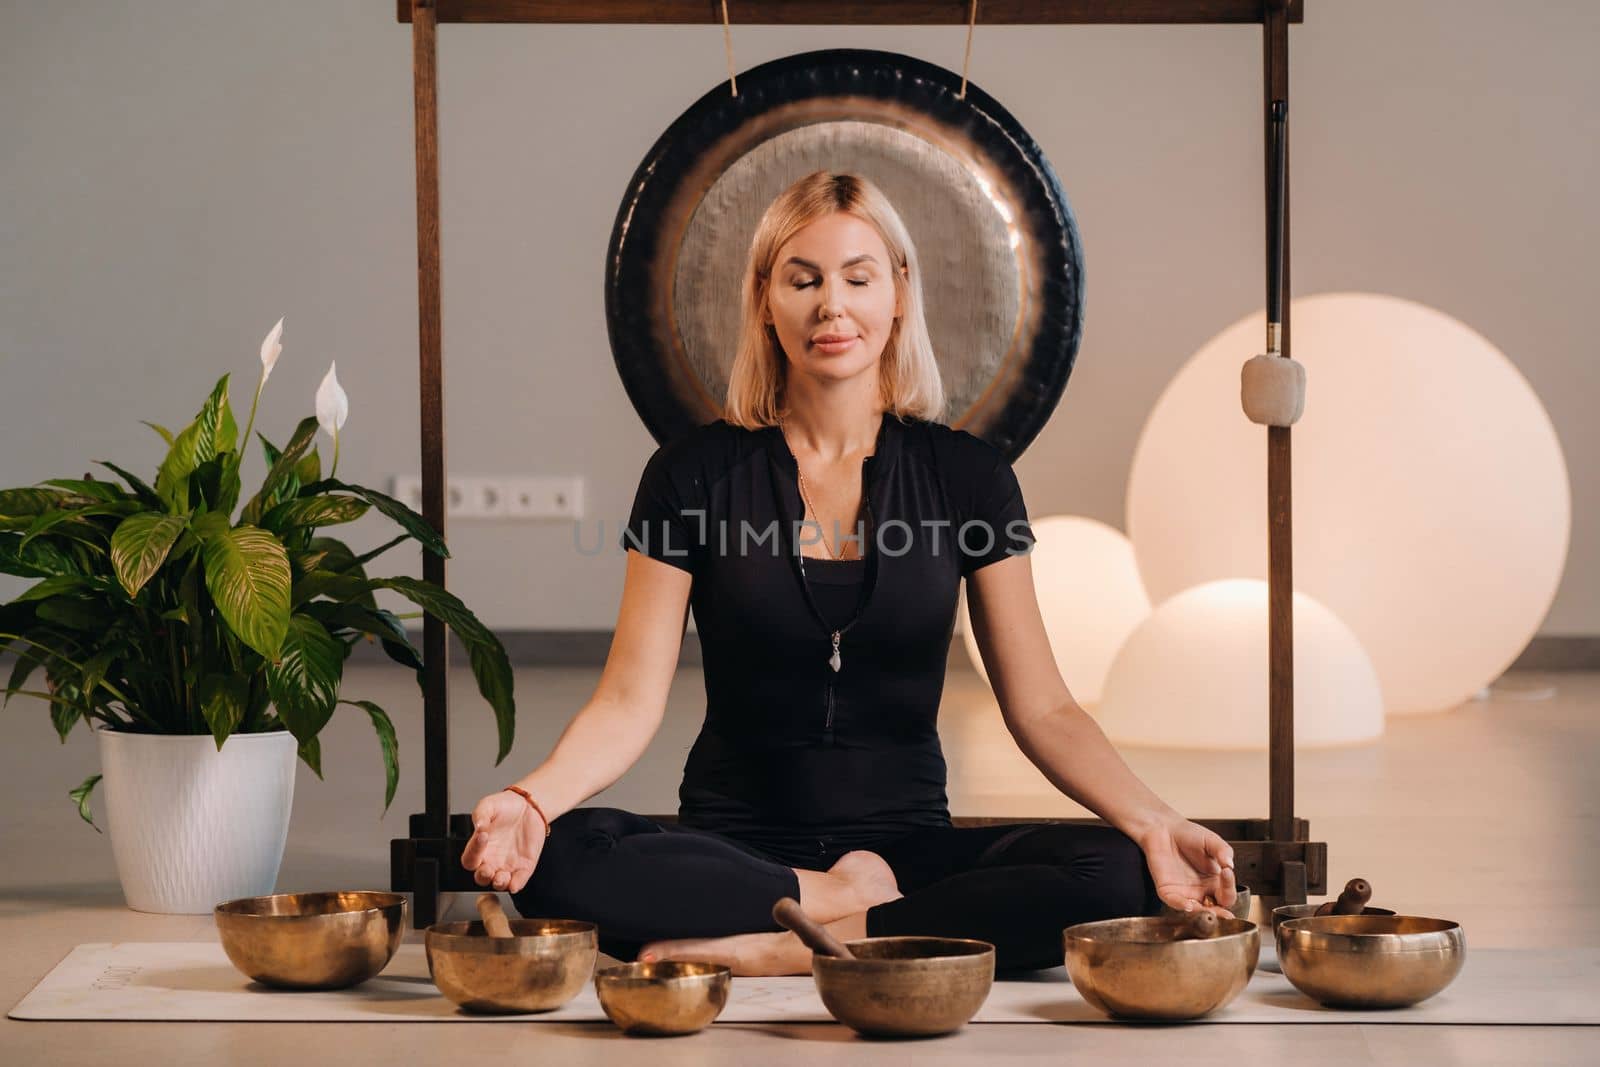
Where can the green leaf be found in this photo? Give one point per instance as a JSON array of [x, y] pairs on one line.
[[305, 562], [29, 660], [338, 556], [38, 559], [308, 469], [490, 666], [147, 496], [166, 434], [94, 671], [247, 574], [209, 525], [375, 622], [369, 556], [314, 511], [106, 491], [311, 752], [140, 545], [19, 507], [212, 432], [342, 587], [413, 524], [64, 716], [60, 585], [80, 796], [222, 699], [304, 682], [388, 742], [229, 486], [77, 517], [90, 616], [208, 485], [282, 468]]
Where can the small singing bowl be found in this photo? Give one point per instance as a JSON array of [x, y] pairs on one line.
[[906, 986], [312, 940], [1285, 912], [664, 998], [1240, 909], [539, 968], [1370, 961], [1136, 969]]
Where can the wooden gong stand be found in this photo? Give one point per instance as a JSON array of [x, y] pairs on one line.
[[1273, 855]]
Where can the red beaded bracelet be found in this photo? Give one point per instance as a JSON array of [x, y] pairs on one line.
[[523, 793]]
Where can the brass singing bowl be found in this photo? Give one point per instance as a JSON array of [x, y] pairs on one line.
[[1370, 961], [312, 940], [664, 998], [1285, 912], [1135, 969], [539, 968], [1240, 909], [906, 986]]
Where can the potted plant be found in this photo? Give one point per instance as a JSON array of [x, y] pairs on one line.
[[172, 626]]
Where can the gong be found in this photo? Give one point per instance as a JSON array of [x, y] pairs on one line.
[[1001, 257]]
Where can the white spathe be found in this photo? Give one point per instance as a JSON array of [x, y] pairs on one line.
[[192, 826], [1194, 675], [1431, 504], [1090, 597], [271, 349], [333, 406]]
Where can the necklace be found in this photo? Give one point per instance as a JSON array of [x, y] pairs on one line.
[[806, 497], [834, 659]]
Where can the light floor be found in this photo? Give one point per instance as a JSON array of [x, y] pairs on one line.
[[1489, 815]]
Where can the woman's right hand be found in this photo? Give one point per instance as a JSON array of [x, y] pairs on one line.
[[507, 837]]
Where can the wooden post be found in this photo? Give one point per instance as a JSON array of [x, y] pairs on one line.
[[435, 647], [1280, 559]]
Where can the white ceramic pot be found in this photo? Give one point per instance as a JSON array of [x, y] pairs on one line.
[[192, 826]]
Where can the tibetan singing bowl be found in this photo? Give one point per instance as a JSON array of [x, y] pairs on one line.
[[539, 968], [312, 940], [1282, 914], [1136, 969], [1370, 961], [906, 986], [663, 998]]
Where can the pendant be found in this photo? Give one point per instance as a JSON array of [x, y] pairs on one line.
[[834, 661]]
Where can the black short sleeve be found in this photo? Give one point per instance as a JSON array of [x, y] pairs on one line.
[[996, 526], [667, 521]]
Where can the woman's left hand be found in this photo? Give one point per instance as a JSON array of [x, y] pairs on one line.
[[1192, 867]]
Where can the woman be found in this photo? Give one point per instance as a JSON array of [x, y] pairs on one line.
[[820, 531]]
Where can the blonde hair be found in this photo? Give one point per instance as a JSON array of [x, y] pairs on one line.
[[908, 375]]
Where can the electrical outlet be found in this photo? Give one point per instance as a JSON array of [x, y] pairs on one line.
[[489, 497], [544, 498]]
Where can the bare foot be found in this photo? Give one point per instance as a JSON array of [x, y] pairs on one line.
[[746, 955], [858, 881], [754, 955], [870, 876]]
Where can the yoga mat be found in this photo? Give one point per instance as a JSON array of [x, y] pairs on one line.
[[186, 981]]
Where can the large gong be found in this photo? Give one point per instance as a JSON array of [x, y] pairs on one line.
[[1001, 257]]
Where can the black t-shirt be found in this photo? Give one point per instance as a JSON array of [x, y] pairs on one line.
[[795, 757]]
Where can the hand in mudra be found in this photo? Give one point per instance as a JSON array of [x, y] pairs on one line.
[[507, 837], [1191, 866]]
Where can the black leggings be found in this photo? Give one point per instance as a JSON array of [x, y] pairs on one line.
[[1017, 886]]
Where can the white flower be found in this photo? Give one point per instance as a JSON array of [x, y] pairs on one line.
[[333, 407], [271, 349]]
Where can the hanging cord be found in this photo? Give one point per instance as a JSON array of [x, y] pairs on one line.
[[966, 60], [727, 43]]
